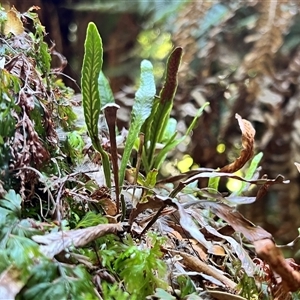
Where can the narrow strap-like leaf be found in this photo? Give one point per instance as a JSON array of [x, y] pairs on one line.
[[91, 67], [140, 111], [92, 64], [250, 171], [144, 95], [157, 122], [173, 143]]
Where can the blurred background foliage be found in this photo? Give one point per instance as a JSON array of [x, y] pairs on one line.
[[241, 56]]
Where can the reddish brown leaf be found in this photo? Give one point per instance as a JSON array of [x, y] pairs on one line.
[[169, 88], [234, 219], [264, 189], [109, 206], [262, 181], [184, 176], [152, 203], [267, 250], [248, 133]]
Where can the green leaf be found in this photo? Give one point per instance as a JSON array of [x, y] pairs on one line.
[[136, 267], [74, 283], [12, 202], [140, 112], [169, 130], [91, 219], [113, 291], [151, 179], [173, 143], [74, 146], [162, 294], [24, 228], [186, 285], [247, 287], [21, 250], [92, 64], [4, 260], [213, 183], [250, 171], [106, 94], [144, 95], [45, 57]]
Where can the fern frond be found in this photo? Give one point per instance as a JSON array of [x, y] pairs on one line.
[[272, 24]]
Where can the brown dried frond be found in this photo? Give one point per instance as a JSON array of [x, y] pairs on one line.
[[187, 23], [274, 21], [28, 147]]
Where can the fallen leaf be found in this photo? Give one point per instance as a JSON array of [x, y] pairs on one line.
[[199, 249], [262, 241], [224, 296], [217, 250], [186, 221], [262, 181], [13, 23], [195, 264], [184, 175], [246, 261], [109, 206], [54, 243], [236, 220], [151, 203]]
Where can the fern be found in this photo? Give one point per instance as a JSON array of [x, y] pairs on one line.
[[92, 64], [140, 111], [142, 270], [40, 277]]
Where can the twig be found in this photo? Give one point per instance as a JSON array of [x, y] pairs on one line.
[[194, 263]]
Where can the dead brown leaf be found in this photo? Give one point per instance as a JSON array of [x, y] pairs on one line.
[[246, 262], [195, 264], [248, 133], [151, 203], [262, 181], [219, 295], [54, 243], [272, 255], [262, 240], [13, 23], [264, 189], [109, 206], [236, 220]]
